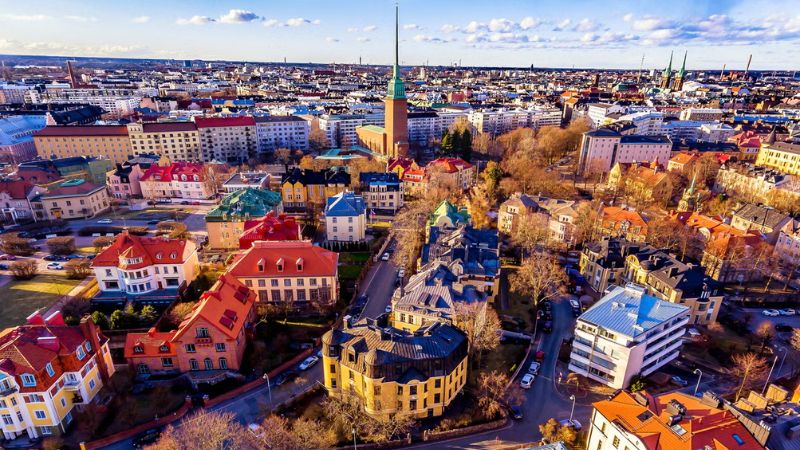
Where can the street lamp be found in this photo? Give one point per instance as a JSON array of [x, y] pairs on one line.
[[355, 446], [269, 388], [700, 376], [572, 397], [769, 375], [781, 349]]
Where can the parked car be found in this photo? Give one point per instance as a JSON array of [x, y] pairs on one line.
[[539, 356], [548, 327], [3, 266], [55, 266], [385, 256], [782, 327], [515, 412], [693, 332], [308, 362], [572, 423], [401, 273], [105, 221], [52, 258], [147, 438], [771, 312], [679, 381], [284, 377], [787, 312], [362, 299], [7, 257], [527, 381], [534, 368]]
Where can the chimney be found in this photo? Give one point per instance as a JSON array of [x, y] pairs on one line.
[[35, 318], [92, 334], [55, 319], [49, 342]]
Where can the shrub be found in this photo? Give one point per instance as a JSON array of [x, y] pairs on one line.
[[78, 269], [172, 229], [13, 244], [24, 270], [638, 383], [101, 242], [63, 245], [101, 320], [74, 308]]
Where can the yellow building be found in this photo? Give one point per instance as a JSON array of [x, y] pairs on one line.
[[780, 156], [395, 372], [669, 279], [110, 141], [71, 199], [46, 370], [299, 188]]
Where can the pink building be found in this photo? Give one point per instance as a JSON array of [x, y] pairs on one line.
[[212, 337], [601, 149]]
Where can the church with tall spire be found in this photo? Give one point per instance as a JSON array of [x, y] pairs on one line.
[[677, 84], [390, 141], [666, 75]]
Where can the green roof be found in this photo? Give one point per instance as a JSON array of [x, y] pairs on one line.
[[449, 210], [374, 128], [244, 204]]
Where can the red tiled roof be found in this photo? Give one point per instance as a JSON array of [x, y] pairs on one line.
[[213, 122], [316, 261], [17, 189], [614, 216], [69, 187], [150, 344], [684, 158], [88, 130], [167, 127], [450, 165], [152, 250], [167, 173], [269, 228]]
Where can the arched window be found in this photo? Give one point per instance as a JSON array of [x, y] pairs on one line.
[[193, 364], [223, 363], [208, 364]]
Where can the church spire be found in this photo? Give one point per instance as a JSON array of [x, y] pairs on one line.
[[668, 70], [683, 66], [397, 89]]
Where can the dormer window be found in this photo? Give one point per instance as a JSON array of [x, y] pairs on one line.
[[173, 255], [88, 346], [280, 265], [28, 380], [49, 369], [159, 255], [80, 353], [138, 349], [299, 264], [164, 348], [260, 265]]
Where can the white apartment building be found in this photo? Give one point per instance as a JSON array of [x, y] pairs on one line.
[[423, 127], [601, 149], [13, 93], [229, 139], [682, 129], [647, 123], [116, 102], [715, 132], [178, 141], [274, 132], [627, 333], [701, 114], [345, 218], [787, 248], [340, 129], [598, 113], [497, 122], [545, 117]]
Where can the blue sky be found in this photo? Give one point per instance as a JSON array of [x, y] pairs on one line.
[[601, 34]]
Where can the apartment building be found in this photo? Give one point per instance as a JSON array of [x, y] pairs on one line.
[[621, 222], [226, 139], [497, 122], [106, 141], [15, 200], [340, 129], [303, 188], [646, 123], [47, 369], [453, 172], [117, 103], [701, 114], [674, 420], [175, 181], [245, 180], [296, 274], [178, 141], [274, 132], [212, 337], [787, 248], [271, 227], [71, 199], [758, 218], [602, 148], [228, 221], [137, 265], [124, 181], [626, 333], [781, 156], [393, 371], [12, 93], [755, 184], [598, 113], [16, 137], [345, 218], [425, 127], [382, 191]]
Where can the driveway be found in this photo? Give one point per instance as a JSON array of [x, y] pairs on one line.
[[379, 285]]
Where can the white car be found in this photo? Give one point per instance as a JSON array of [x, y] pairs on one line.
[[771, 312], [693, 332], [105, 221], [787, 312], [55, 266], [401, 273], [573, 423], [385, 256], [388, 309], [527, 381], [308, 362], [534, 368]]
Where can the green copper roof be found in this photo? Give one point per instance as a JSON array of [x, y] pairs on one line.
[[396, 90], [244, 204], [682, 72], [668, 70], [449, 210]]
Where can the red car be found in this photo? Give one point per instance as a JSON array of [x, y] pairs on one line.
[[539, 356], [6, 257]]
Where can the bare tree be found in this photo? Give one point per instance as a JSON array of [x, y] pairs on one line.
[[101, 242], [540, 277], [481, 325], [749, 368], [495, 393], [278, 433], [479, 205], [206, 431], [347, 412], [795, 339], [78, 269], [317, 139], [765, 333], [24, 270], [531, 230]]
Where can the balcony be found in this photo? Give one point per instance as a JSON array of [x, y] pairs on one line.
[[6, 391], [202, 341], [72, 385]]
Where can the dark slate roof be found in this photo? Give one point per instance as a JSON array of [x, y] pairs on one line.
[[762, 216], [642, 139], [612, 251], [311, 177], [475, 249], [77, 115], [690, 279]]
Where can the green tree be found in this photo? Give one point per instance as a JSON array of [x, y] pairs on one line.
[[447, 143], [101, 320], [466, 145], [148, 315], [638, 383], [124, 319]]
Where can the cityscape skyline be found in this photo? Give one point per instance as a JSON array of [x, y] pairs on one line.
[[511, 34]]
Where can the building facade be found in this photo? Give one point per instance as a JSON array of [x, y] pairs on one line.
[[228, 221], [601, 149], [227, 139], [345, 218], [108, 141], [382, 192], [71, 199], [178, 141], [274, 132]]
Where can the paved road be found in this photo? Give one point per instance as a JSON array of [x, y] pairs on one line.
[[379, 285]]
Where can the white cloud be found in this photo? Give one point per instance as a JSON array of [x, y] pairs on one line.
[[563, 25], [586, 24], [269, 23], [627, 17], [529, 22], [370, 28], [501, 25], [432, 39], [331, 39], [474, 27], [141, 19], [25, 18], [363, 39], [297, 21], [316, 22], [195, 20], [352, 30], [52, 47], [239, 16], [449, 28], [81, 18], [411, 26], [651, 23]]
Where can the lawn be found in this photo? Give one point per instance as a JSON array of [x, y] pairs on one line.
[[354, 258], [18, 299], [349, 272], [520, 307]]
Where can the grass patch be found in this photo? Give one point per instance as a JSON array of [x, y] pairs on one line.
[[349, 272], [504, 359], [18, 299], [89, 249], [354, 258]]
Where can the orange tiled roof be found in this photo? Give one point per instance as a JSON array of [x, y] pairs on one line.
[[152, 250], [647, 176], [684, 158], [450, 165], [614, 215], [266, 256], [705, 426]]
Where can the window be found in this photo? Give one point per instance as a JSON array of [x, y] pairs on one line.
[[80, 353], [615, 442], [223, 363], [202, 332], [88, 346], [208, 364], [220, 346], [49, 368], [28, 380], [40, 414], [63, 402], [7, 419], [166, 362], [273, 282], [190, 348], [193, 364]]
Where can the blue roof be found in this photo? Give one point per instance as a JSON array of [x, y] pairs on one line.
[[345, 204], [631, 312], [346, 154], [379, 178]]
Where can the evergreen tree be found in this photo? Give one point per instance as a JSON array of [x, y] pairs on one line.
[[447, 143], [466, 145], [457, 143]]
